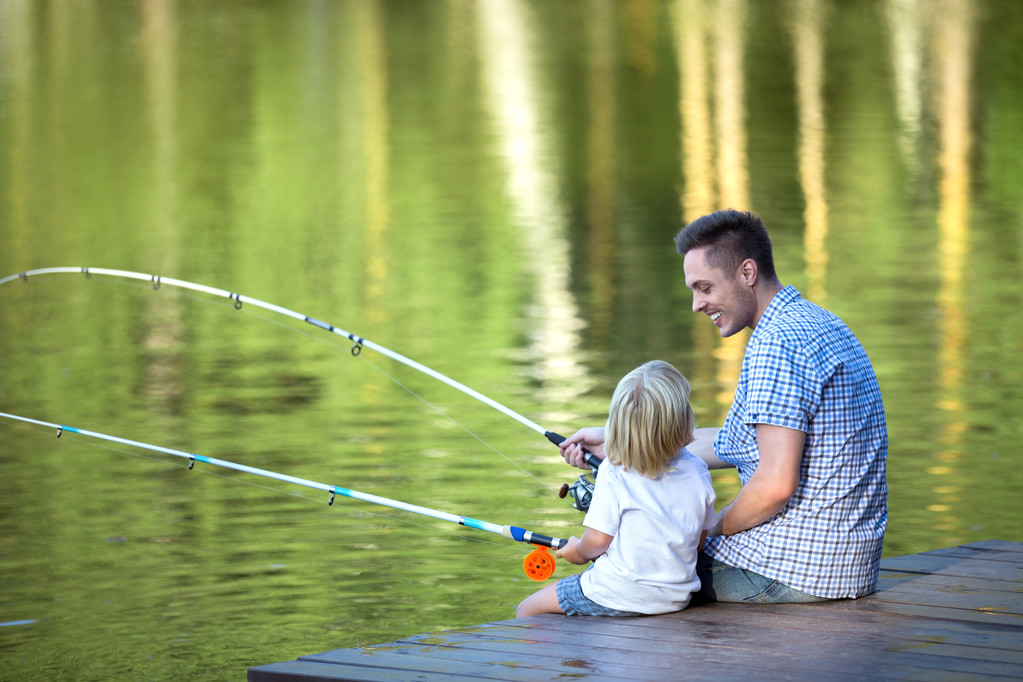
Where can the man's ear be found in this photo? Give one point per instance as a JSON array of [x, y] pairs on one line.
[[748, 272]]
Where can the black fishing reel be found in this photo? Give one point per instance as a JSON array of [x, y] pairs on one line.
[[581, 492]]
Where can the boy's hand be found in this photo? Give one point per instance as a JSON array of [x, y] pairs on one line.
[[590, 438], [570, 552], [583, 550]]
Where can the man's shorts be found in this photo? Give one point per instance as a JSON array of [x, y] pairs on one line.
[[574, 603]]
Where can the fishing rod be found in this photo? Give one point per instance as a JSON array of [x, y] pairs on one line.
[[539, 565], [360, 342]]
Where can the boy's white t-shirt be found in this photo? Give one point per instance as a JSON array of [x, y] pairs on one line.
[[650, 566]]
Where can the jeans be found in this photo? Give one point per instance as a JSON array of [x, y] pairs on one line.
[[721, 582]]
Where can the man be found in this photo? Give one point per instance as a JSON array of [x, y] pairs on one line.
[[806, 431]]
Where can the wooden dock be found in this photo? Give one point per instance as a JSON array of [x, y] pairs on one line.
[[948, 614]]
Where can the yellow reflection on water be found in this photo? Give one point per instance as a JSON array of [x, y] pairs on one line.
[[729, 82], [907, 23], [160, 60], [373, 97], [689, 22], [164, 330], [953, 48], [710, 53], [601, 180], [808, 43], [514, 102], [16, 54]]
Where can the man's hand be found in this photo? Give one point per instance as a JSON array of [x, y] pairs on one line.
[[590, 438]]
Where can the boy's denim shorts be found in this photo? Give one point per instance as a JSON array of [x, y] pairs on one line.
[[574, 603]]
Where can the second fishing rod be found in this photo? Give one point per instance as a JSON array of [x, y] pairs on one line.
[[538, 565]]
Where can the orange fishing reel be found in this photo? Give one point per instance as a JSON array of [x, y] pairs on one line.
[[539, 564]]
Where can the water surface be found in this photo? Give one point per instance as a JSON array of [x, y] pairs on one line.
[[490, 189]]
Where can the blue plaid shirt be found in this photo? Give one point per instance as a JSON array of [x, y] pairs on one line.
[[804, 370]]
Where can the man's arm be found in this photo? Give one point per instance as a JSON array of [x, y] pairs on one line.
[[770, 486], [703, 447], [592, 439]]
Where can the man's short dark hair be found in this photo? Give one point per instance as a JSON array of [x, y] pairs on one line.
[[732, 237]]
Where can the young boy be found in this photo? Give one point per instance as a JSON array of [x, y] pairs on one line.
[[651, 507]]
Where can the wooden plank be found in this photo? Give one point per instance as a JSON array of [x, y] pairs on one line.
[[861, 624], [1010, 545], [909, 609], [305, 670], [974, 568], [989, 564], [992, 551], [508, 660], [453, 662], [889, 579], [939, 590], [918, 563], [941, 581]]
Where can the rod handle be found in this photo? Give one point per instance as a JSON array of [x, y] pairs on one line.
[[591, 459]]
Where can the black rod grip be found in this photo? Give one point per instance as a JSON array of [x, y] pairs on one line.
[[592, 460]]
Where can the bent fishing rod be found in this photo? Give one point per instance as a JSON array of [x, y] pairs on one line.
[[360, 342], [537, 561]]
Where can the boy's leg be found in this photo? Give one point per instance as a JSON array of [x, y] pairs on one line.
[[544, 600]]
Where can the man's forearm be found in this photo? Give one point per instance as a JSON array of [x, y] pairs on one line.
[[747, 510], [703, 447]]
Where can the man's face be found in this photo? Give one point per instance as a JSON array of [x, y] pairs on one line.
[[726, 298]]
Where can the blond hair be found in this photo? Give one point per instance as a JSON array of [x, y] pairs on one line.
[[650, 419]]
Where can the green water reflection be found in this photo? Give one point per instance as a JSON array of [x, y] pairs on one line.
[[491, 189]]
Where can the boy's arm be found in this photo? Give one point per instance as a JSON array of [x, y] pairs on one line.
[[583, 550]]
